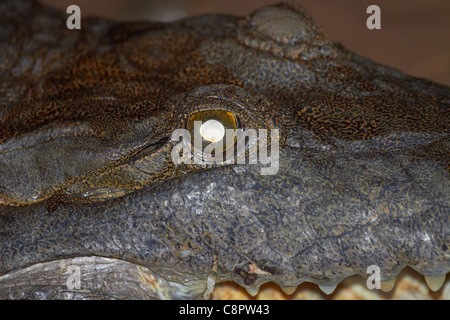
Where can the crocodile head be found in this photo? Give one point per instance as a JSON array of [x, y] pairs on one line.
[[89, 189]]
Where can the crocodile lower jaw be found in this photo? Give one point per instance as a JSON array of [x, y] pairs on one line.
[[107, 278]]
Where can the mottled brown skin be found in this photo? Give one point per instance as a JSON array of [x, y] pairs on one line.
[[86, 117]]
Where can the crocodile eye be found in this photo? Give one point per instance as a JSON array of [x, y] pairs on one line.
[[211, 127], [212, 131]]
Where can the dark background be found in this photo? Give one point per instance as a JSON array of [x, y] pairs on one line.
[[414, 35]]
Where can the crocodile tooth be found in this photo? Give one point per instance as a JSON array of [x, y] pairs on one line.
[[327, 289], [435, 282], [288, 290], [253, 291], [387, 286]]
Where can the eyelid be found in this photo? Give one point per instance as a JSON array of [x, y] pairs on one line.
[[151, 147], [228, 119]]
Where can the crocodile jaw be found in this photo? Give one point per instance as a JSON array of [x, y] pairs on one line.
[[108, 278]]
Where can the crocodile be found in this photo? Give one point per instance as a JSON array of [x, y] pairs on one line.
[[93, 204]]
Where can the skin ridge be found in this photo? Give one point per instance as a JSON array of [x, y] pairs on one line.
[[363, 176]]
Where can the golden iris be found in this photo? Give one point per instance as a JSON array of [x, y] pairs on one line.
[[212, 127]]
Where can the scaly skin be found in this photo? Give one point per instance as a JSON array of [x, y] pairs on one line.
[[86, 176]]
